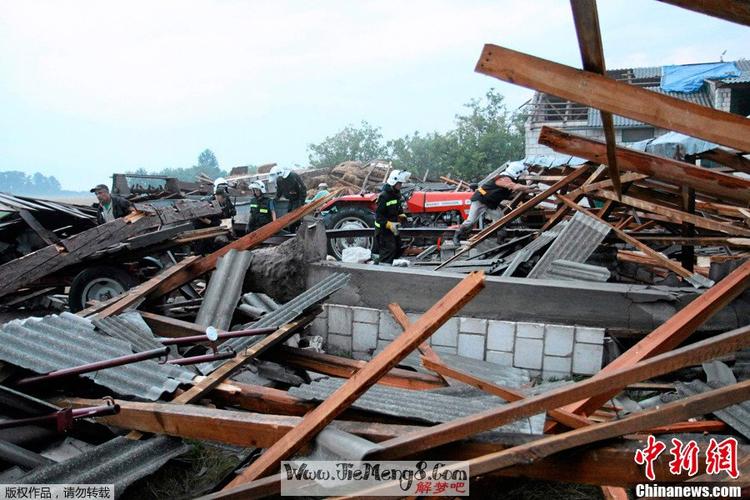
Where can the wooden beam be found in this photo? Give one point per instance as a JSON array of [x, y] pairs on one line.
[[536, 200], [138, 293], [563, 209], [676, 216], [586, 19], [462, 428], [337, 366], [735, 11], [620, 98], [237, 428], [164, 326], [697, 240], [344, 396], [566, 418], [672, 332], [683, 409], [732, 160], [44, 234], [403, 320], [694, 279], [208, 263], [675, 172], [259, 399]]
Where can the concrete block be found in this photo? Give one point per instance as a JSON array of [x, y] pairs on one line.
[[590, 335], [446, 335], [366, 315], [473, 325], [528, 353], [500, 358], [362, 356], [388, 329], [587, 358], [340, 320], [558, 340], [319, 326], [471, 346], [445, 349], [500, 335], [530, 330], [339, 344], [555, 366], [364, 336]]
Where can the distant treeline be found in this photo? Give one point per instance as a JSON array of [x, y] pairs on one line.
[[207, 164], [16, 182]]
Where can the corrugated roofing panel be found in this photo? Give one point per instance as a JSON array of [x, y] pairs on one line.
[[428, 406], [129, 327], [224, 289], [120, 461], [736, 416], [56, 342]]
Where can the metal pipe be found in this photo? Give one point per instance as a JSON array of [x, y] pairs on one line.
[[64, 418], [202, 358], [194, 339], [98, 365]]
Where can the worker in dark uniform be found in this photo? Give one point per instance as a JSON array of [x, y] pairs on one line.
[[262, 209], [221, 194], [389, 215], [110, 206], [489, 195], [289, 185]]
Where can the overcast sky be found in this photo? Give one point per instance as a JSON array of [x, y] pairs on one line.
[[88, 88]]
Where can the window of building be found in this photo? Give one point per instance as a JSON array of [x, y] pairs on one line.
[[637, 134]]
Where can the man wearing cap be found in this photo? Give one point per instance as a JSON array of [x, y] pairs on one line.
[[110, 207]]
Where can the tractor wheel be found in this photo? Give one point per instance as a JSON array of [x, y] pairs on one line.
[[349, 218], [98, 283]]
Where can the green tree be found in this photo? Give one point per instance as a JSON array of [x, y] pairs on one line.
[[352, 143], [207, 160]]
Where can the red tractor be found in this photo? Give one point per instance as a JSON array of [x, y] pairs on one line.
[[424, 208]]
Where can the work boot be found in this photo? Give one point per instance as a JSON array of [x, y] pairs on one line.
[[457, 236]]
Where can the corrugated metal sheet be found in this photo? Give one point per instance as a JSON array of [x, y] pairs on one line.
[[129, 327], [575, 271], [737, 416], [428, 406], [529, 250], [56, 342], [743, 78], [576, 242], [508, 376], [120, 461], [283, 314], [224, 290]]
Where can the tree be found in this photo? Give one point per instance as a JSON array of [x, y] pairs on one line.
[[207, 160], [352, 143]]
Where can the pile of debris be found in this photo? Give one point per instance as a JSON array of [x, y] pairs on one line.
[[350, 177]]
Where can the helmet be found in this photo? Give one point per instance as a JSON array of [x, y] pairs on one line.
[[221, 186], [258, 185], [514, 170], [278, 171], [322, 185], [397, 176]]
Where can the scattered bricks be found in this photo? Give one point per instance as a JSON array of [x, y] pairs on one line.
[[388, 329], [473, 325], [500, 335], [530, 330], [340, 345], [500, 358], [471, 346], [364, 336], [446, 335], [339, 320], [558, 340], [528, 353], [445, 349], [366, 315], [555, 366], [587, 358], [590, 335]]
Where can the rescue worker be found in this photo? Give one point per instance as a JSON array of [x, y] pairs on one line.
[[489, 195], [262, 210], [221, 194], [322, 191], [289, 185], [389, 215], [110, 206]]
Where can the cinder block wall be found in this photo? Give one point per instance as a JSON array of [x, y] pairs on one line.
[[552, 350]]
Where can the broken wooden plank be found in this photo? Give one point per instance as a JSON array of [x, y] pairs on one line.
[[693, 278], [675, 172], [734, 161], [564, 417], [337, 366], [403, 321], [208, 263], [44, 234], [237, 428], [676, 216], [620, 98], [522, 209], [735, 11], [563, 209], [602, 383], [164, 326], [343, 397], [586, 19]]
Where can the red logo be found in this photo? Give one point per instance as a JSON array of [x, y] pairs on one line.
[[720, 457]]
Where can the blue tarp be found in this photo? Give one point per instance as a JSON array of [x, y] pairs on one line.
[[689, 77]]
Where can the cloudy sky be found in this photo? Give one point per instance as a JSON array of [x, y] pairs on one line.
[[88, 88]]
